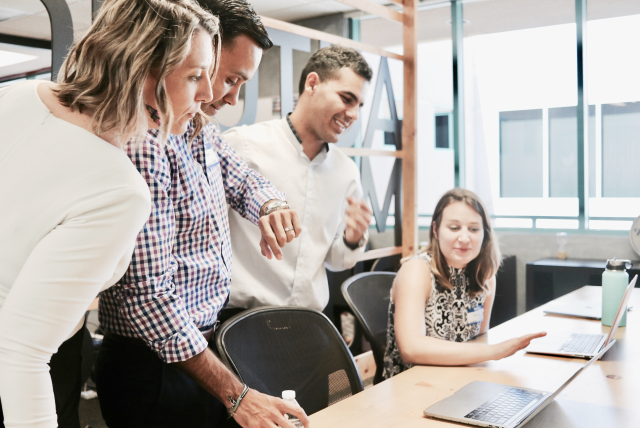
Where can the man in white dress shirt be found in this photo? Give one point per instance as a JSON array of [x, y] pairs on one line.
[[320, 181]]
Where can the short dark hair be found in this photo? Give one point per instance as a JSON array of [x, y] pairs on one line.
[[238, 17], [327, 61]]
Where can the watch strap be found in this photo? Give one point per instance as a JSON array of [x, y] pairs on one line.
[[275, 205], [357, 245]]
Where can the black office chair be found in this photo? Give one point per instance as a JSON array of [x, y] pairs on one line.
[[273, 349], [387, 264], [368, 296]]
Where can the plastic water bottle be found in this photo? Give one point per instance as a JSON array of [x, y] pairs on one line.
[[290, 396], [614, 282]]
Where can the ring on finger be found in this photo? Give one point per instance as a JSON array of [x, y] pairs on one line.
[[288, 228]]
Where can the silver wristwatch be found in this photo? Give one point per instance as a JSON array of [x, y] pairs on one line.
[[275, 205]]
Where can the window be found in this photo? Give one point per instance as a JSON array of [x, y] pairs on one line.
[[620, 150], [521, 154], [443, 124]]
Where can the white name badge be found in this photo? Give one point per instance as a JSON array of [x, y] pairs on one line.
[[211, 159], [475, 315]]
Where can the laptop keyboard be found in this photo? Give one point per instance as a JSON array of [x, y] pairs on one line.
[[581, 343], [504, 405]]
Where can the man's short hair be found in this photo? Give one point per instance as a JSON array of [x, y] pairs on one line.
[[327, 61], [237, 17]]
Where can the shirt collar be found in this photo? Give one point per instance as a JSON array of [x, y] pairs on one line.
[[295, 133]]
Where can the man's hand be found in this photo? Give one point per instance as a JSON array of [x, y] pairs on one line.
[[357, 218], [277, 229], [258, 410]]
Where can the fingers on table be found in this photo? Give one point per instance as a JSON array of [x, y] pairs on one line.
[[296, 411]]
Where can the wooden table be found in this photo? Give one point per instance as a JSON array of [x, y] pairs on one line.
[[605, 395]]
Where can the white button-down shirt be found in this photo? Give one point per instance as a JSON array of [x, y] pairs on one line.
[[318, 190]]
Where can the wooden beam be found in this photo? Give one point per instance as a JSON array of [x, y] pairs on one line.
[[319, 35], [351, 151], [380, 252], [409, 124], [374, 9]]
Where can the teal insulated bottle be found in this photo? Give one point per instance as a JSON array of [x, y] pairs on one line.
[[614, 281]]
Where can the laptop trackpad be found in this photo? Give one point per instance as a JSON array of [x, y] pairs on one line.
[[466, 399]]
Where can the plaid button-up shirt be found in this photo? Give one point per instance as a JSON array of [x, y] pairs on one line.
[[180, 272]]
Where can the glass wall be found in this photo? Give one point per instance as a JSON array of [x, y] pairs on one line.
[[613, 69], [435, 167]]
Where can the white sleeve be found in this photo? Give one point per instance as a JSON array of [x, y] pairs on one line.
[[235, 139], [340, 257], [91, 248]]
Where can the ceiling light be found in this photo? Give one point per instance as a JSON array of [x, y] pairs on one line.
[[10, 58]]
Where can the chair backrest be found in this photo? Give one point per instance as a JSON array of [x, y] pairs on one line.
[[368, 296], [273, 349]]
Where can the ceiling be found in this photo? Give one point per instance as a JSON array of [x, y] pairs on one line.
[[493, 16], [29, 18]]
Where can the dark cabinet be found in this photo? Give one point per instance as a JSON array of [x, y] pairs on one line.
[[551, 278]]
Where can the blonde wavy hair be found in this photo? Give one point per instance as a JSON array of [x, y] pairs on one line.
[[105, 71], [480, 269]]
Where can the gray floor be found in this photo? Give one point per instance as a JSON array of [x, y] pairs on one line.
[[90, 416]]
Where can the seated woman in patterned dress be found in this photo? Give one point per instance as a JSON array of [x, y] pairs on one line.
[[443, 296]]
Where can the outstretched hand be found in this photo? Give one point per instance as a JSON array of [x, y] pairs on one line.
[[259, 410], [277, 229], [511, 346]]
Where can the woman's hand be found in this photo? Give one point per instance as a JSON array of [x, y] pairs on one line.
[[511, 346]]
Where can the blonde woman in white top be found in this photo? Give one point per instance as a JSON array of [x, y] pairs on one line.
[[71, 202]]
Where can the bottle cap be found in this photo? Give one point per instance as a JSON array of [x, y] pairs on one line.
[[288, 395], [620, 265]]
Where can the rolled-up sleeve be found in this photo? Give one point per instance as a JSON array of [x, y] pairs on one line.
[[146, 296]]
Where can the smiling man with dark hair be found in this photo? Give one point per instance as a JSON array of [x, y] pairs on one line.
[[319, 180]]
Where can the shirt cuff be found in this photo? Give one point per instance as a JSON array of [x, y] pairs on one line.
[[264, 196], [183, 345]]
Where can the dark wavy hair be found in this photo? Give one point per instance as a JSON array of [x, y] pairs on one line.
[[480, 269], [238, 17], [327, 61]]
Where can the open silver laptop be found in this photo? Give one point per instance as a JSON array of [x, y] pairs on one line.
[[580, 345], [487, 404], [578, 309]]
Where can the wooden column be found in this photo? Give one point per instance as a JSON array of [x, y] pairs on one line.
[[409, 128]]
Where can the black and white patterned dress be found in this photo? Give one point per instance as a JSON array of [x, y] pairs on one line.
[[447, 316]]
